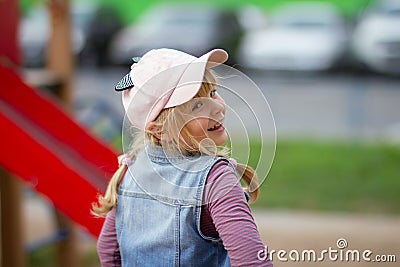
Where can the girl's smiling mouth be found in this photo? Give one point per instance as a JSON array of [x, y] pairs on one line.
[[216, 127]]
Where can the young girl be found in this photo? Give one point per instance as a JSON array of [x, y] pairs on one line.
[[176, 199]]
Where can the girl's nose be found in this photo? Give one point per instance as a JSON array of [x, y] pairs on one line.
[[218, 105]]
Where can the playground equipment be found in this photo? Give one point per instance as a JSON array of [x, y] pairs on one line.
[[42, 145]]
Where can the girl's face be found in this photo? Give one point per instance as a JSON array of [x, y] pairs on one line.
[[204, 118]]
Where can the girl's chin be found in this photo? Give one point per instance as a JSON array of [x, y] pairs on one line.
[[220, 139]]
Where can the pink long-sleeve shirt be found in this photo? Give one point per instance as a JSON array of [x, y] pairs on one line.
[[227, 216]]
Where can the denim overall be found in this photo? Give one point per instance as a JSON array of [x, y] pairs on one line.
[[158, 212]]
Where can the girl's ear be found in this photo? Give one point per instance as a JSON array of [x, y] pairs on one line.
[[154, 129]]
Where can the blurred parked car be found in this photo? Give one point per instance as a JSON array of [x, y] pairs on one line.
[[100, 24], [251, 18], [376, 38], [34, 33], [92, 27], [300, 37], [193, 28]]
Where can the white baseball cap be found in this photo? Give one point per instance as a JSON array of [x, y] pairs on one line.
[[163, 78]]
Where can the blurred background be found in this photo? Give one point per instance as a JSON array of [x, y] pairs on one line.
[[330, 71]]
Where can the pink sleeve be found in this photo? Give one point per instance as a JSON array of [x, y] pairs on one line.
[[107, 244], [232, 217]]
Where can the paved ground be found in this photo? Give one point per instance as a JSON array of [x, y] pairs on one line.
[[280, 230], [293, 230]]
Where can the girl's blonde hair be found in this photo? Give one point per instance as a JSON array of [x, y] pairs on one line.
[[169, 121]]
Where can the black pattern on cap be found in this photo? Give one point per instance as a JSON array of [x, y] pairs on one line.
[[124, 84]]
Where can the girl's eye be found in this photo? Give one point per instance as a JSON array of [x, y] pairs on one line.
[[197, 105], [213, 92]]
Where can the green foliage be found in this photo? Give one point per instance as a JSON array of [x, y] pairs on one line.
[[333, 176], [44, 257], [47, 257]]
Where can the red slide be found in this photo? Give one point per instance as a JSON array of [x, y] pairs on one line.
[[42, 145]]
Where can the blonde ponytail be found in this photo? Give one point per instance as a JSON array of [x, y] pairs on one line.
[[249, 176], [110, 198]]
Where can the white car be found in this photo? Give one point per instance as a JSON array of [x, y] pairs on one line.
[[300, 37], [376, 37]]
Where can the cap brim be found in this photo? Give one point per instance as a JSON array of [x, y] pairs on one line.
[[125, 83], [214, 58], [192, 78]]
